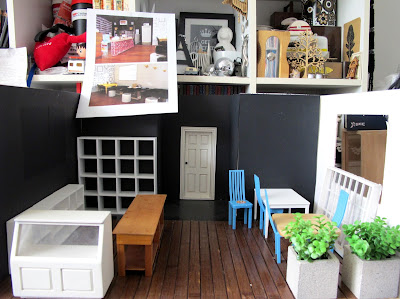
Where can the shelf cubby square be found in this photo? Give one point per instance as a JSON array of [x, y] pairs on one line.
[[127, 166], [127, 185], [109, 202], [146, 148], [89, 147], [108, 184], [90, 166], [107, 166], [90, 184], [91, 202], [127, 147], [146, 166], [146, 185], [107, 147], [125, 202]]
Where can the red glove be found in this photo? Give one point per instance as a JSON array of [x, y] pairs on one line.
[[50, 51]]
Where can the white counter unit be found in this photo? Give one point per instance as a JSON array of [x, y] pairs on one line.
[[62, 254]]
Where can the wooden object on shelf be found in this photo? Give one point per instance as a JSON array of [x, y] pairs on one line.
[[353, 67], [363, 153], [351, 38], [334, 36], [239, 5], [138, 234], [333, 70], [262, 38], [306, 53]]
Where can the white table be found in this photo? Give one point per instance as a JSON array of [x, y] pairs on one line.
[[281, 199]]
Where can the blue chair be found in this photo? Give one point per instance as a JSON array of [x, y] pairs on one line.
[[261, 204], [237, 198], [279, 221]]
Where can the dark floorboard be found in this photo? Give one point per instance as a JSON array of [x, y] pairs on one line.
[[207, 259]]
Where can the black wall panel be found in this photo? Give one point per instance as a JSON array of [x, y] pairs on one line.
[[37, 152], [278, 139], [199, 111]]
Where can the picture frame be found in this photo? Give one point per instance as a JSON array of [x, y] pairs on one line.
[[119, 80], [203, 28]]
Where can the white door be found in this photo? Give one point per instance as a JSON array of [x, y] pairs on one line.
[[198, 155]]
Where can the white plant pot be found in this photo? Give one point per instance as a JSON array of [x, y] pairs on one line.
[[318, 279], [371, 279]]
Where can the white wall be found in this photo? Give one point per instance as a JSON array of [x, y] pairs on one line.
[[3, 4], [387, 40]]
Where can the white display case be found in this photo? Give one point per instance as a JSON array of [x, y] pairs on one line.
[[62, 254], [69, 197]]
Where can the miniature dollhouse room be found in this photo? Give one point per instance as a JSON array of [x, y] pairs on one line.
[[159, 181]]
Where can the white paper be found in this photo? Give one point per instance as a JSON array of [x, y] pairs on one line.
[[128, 72], [13, 67]]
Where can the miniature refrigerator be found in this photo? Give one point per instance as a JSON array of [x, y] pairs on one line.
[[62, 254]]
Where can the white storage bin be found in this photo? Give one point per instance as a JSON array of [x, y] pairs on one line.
[[62, 254]]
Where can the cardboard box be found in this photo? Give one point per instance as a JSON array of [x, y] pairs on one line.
[[337, 70]]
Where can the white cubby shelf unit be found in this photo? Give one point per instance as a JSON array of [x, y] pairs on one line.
[[116, 169]]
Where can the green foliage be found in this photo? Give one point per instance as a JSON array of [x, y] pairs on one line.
[[373, 240], [311, 241]]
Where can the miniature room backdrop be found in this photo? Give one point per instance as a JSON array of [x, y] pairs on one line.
[[274, 136]]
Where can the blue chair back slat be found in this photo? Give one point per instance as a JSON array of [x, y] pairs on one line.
[[269, 214], [236, 183], [261, 203], [258, 193], [341, 207]]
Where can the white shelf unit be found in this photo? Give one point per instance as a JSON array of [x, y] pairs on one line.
[[26, 18], [116, 169], [61, 254]]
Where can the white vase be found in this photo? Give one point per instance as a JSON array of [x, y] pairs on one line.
[[318, 279], [371, 279]]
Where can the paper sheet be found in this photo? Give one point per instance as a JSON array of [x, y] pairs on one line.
[[13, 67]]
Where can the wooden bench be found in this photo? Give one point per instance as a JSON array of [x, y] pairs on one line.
[[138, 233]]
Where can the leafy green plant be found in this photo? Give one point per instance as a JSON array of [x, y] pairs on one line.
[[373, 240], [310, 240]]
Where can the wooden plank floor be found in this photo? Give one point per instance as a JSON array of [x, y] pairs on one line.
[[210, 260]]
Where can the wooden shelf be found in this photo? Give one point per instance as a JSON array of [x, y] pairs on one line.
[[58, 78], [213, 80], [308, 83]]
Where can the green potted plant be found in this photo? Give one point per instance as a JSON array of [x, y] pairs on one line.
[[370, 267], [312, 269]]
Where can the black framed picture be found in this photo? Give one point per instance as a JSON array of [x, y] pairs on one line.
[[200, 29]]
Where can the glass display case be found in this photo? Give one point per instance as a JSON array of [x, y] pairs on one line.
[[62, 254]]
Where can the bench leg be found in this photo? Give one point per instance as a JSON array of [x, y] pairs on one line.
[[121, 259], [148, 260]]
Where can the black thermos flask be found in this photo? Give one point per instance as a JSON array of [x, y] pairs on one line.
[[79, 15]]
